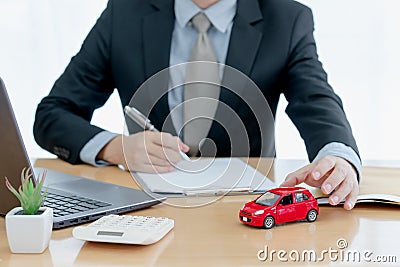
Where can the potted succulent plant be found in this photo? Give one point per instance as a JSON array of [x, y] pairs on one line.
[[29, 227]]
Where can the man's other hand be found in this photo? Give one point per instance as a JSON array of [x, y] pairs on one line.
[[331, 174]]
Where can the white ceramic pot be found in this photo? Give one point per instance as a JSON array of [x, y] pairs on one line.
[[29, 233]]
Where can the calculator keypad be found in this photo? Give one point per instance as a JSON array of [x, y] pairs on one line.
[[142, 230], [140, 223]]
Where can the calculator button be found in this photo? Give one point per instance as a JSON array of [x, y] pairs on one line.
[[127, 229]]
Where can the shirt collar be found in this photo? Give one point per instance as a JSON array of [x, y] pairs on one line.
[[220, 14]]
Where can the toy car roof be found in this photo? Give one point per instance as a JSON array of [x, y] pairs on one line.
[[286, 190]]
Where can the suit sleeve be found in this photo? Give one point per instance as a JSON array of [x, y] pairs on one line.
[[314, 108], [62, 123]]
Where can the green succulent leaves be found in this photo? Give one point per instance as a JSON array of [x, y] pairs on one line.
[[29, 193]]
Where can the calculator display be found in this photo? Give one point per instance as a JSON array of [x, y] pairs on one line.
[[110, 233]]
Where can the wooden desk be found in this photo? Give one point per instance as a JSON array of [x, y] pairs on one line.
[[212, 235]]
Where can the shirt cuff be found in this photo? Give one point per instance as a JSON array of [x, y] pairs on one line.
[[343, 151], [92, 148]]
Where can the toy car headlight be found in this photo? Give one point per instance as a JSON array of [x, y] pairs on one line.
[[259, 212]]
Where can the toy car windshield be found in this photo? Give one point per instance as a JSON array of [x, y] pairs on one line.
[[268, 199]]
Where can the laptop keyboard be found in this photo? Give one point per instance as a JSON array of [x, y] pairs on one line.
[[66, 205]]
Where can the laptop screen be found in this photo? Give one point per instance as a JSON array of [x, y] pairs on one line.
[[13, 156]]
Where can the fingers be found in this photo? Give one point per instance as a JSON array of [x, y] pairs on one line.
[[149, 164], [292, 180], [336, 177], [185, 148], [332, 174], [352, 197], [167, 140], [342, 181], [297, 177], [162, 150], [151, 152], [168, 143], [323, 168], [165, 154]]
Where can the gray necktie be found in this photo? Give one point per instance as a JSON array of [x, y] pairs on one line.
[[200, 98]]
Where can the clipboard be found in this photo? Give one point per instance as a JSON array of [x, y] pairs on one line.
[[206, 177]]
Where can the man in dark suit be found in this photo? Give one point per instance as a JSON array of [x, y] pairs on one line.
[[270, 41]]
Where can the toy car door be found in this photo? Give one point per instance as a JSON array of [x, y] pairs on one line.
[[285, 211], [300, 205]]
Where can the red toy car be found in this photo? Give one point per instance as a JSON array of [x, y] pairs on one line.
[[280, 205]]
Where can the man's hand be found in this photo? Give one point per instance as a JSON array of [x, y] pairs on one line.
[[144, 152], [331, 174]]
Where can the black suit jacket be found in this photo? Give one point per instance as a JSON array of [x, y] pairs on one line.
[[271, 41]]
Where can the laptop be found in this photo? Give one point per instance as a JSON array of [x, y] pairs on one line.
[[74, 199]]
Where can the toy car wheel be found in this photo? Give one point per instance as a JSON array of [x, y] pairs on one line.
[[269, 222], [312, 215]]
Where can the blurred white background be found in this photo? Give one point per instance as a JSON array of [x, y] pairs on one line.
[[358, 42]]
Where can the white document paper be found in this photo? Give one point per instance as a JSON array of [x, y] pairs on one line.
[[208, 175]]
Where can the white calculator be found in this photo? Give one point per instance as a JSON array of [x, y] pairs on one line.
[[126, 229]]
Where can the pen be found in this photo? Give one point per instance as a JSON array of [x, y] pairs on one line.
[[140, 119], [144, 122]]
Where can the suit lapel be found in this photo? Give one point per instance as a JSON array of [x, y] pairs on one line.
[[245, 37], [157, 34], [243, 47]]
